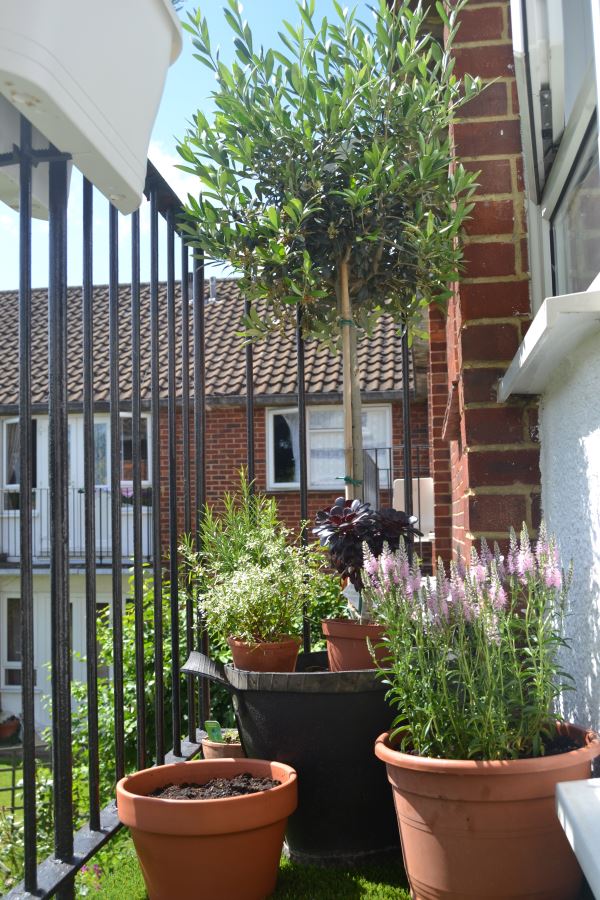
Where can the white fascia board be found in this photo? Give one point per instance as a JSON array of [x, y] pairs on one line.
[[578, 811], [559, 326]]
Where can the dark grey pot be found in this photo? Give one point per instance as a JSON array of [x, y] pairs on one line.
[[324, 724]]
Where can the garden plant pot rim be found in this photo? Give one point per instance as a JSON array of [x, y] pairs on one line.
[[219, 816], [218, 744], [322, 681], [508, 767], [341, 626]]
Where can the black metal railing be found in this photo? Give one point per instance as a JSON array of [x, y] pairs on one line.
[[384, 485], [175, 503], [136, 522]]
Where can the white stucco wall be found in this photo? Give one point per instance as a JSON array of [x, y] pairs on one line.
[[570, 467]]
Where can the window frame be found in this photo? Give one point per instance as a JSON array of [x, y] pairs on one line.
[[16, 488], [533, 68], [272, 411], [5, 663]]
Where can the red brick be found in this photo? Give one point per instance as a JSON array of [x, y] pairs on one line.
[[484, 260], [480, 25], [514, 96], [494, 175], [494, 425], [481, 385], [487, 138], [500, 300], [496, 512], [487, 62], [491, 217], [492, 101], [504, 467], [489, 342]]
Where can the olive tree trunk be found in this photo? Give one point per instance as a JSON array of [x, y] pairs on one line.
[[353, 448]]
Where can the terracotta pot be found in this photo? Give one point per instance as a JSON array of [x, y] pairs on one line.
[[347, 647], [277, 656], [474, 829], [222, 749], [8, 729], [220, 848]]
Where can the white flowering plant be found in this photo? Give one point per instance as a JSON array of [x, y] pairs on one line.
[[264, 600], [250, 575], [472, 656]]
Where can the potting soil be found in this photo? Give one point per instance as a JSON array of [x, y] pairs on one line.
[[216, 788]]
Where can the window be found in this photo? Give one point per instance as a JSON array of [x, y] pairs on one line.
[[12, 650], [557, 55], [12, 466], [325, 439], [127, 449]]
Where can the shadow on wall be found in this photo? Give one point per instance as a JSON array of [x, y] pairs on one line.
[[570, 465]]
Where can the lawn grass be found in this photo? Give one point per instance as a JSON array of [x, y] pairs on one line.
[[295, 883], [6, 781]]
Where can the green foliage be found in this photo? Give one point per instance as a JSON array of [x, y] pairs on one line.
[[295, 882], [11, 824], [472, 659], [334, 150], [251, 579]]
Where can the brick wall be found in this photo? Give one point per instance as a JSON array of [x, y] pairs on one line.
[[487, 478], [226, 452]]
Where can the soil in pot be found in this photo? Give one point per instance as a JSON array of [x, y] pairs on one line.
[[347, 647], [471, 829], [273, 656], [216, 788]]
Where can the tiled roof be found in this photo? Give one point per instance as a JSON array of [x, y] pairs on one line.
[[274, 358]]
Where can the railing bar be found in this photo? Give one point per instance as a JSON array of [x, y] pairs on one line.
[[53, 874], [406, 430], [302, 462], [250, 463], [157, 574], [26, 494], [185, 386], [187, 472], [62, 764], [172, 431], [115, 482], [89, 480], [136, 439], [200, 445]]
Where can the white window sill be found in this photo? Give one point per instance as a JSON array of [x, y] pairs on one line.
[[578, 810], [559, 326]]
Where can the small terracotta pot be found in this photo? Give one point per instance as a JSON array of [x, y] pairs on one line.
[[277, 656], [473, 829], [226, 848], [9, 728], [347, 647], [222, 749]]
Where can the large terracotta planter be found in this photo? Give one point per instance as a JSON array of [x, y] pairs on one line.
[[473, 830], [226, 848], [277, 656], [347, 647]]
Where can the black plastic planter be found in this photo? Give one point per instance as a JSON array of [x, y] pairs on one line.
[[324, 724]]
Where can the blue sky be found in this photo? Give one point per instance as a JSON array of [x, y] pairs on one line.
[[187, 89]]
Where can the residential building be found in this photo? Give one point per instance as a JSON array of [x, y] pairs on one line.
[[276, 443]]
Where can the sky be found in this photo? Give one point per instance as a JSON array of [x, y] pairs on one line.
[[187, 89]]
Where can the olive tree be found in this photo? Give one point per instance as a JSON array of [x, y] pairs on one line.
[[329, 179]]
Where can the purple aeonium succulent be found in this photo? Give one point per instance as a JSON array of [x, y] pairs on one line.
[[349, 523]]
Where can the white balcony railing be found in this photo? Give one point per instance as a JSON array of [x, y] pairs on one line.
[[10, 525]]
